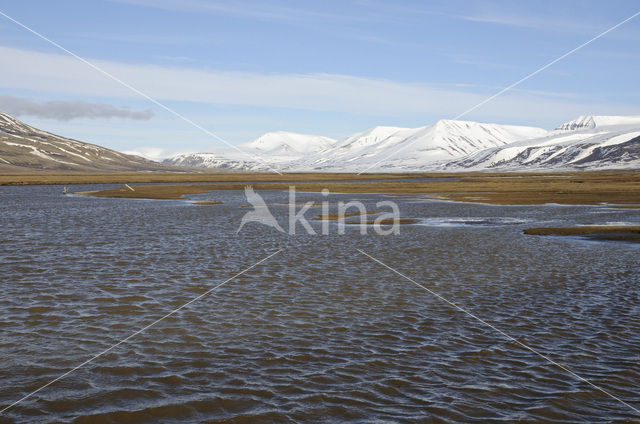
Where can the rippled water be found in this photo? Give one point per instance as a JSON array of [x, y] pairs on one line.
[[319, 332]]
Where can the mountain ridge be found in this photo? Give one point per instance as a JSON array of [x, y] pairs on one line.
[[25, 147], [441, 141], [597, 141], [592, 141], [587, 142]]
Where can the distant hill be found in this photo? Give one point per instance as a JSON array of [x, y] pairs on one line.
[[589, 142], [383, 148], [266, 152], [391, 148], [24, 148]]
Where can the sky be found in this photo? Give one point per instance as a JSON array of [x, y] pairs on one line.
[[239, 69]]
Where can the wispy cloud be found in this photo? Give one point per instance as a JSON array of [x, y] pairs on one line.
[[52, 73], [168, 39], [545, 23], [68, 110], [257, 10], [617, 55], [478, 62], [520, 15]]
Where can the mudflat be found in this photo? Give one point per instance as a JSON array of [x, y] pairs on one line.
[[629, 233], [212, 202], [45, 178], [388, 221], [336, 216], [620, 188]]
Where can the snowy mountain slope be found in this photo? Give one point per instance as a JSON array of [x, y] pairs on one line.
[[24, 147], [268, 151], [282, 143], [593, 121], [390, 148], [589, 142], [370, 137], [210, 160]]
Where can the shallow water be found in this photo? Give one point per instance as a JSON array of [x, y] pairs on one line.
[[319, 332]]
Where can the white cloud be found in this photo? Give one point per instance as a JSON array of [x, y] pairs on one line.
[[528, 15], [257, 10], [534, 22], [586, 25], [55, 73]]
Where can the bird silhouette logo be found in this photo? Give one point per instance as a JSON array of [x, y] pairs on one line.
[[260, 212]]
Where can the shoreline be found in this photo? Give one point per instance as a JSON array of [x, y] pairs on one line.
[[617, 189], [626, 233], [45, 178]]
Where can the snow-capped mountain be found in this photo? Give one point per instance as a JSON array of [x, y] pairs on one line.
[[589, 142], [23, 146], [369, 137], [379, 148], [288, 144], [272, 150], [391, 148], [592, 121], [208, 160]]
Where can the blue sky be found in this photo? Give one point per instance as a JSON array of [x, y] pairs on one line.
[[243, 68]]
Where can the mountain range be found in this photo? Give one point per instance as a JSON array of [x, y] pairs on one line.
[[588, 142], [272, 150]]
